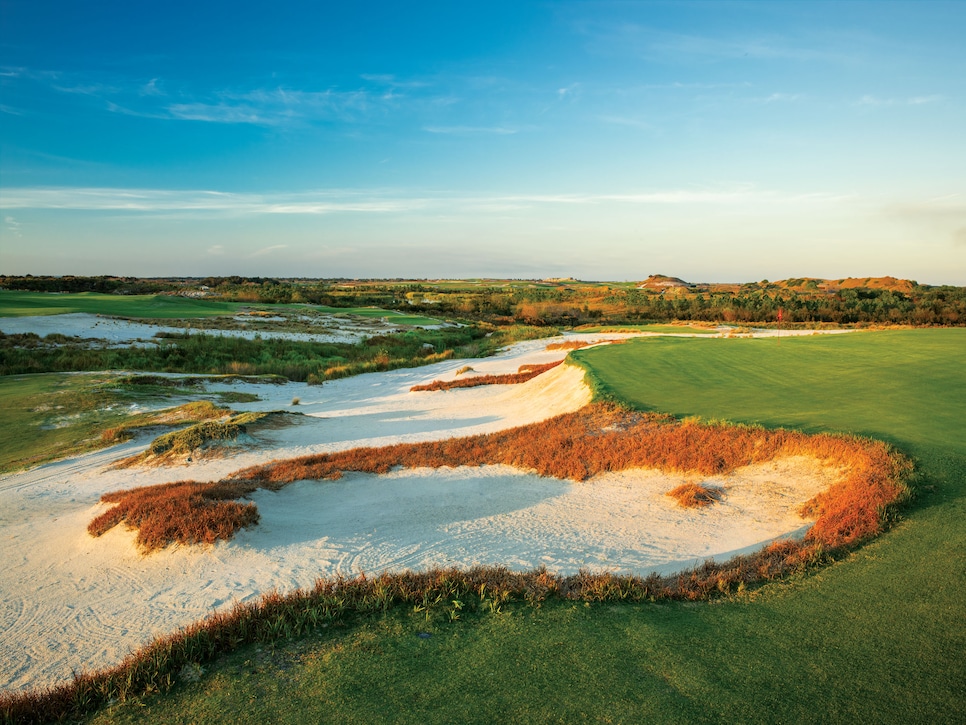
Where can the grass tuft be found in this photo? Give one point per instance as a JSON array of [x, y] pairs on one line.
[[694, 495]]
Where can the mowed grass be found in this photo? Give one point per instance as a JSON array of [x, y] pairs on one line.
[[660, 329], [877, 637], [32, 304], [28, 304], [391, 316]]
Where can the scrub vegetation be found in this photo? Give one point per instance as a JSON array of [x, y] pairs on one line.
[[803, 301], [47, 417], [312, 362], [522, 375]]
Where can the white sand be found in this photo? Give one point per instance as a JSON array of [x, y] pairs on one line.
[[69, 602], [331, 328]]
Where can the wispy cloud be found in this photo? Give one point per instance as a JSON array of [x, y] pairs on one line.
[[206, 202], [216, 250], [12, 226], [569, 91], [782, 98], [264, 252], [471, 130], [200, 201], [640, 40], [151, 98], [876, 101], [626, 121]]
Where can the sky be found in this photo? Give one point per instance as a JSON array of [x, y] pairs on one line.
[[713, 141]]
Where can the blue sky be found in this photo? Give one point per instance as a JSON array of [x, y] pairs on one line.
[[718, 141]]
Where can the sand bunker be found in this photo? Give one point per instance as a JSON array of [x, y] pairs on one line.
[[69, 602]]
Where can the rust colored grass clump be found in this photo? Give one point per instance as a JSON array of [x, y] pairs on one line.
[[576, 446], [186, 512], [522, 375], [568, 345], [694, 495]]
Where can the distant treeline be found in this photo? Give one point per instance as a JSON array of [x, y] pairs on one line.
[[567, 303]]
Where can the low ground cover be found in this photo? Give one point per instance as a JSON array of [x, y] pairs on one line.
[[47, 417], [312, 362]]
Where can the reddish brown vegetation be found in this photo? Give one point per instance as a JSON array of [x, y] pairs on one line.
[[523, 374], [694, 495], [576, 446], [568, 345], [185, 512]]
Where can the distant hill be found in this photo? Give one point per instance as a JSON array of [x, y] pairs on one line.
[[662, 282]]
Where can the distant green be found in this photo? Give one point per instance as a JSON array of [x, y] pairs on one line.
[[31, 304], [875, 638], [662, 329], [28, 304]]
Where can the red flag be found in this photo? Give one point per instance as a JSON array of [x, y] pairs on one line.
[[779, 314]]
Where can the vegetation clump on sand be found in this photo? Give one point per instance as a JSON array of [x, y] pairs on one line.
[[197, 437], [694, 495], [522, 375]]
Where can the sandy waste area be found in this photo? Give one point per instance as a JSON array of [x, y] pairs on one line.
[[69, 602]]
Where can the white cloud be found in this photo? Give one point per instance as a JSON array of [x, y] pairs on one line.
[[625, 121], [216, 249], [876, 101], [267, 250], [376, 201], [13, 226], [470, 130], [783, 97]]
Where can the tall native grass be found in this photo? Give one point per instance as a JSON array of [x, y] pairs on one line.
[[523, 374]]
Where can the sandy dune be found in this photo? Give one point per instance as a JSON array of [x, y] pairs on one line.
[[70, 602]]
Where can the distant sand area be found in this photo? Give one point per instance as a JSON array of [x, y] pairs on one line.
[[69, 602]]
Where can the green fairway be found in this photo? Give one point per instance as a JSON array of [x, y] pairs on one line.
[[877, 637], [396, 318], [26, 304], [662, 329]]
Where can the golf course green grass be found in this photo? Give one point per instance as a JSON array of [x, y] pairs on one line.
[[166, 307], [29, 304], [661, 329], [876, 637]]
